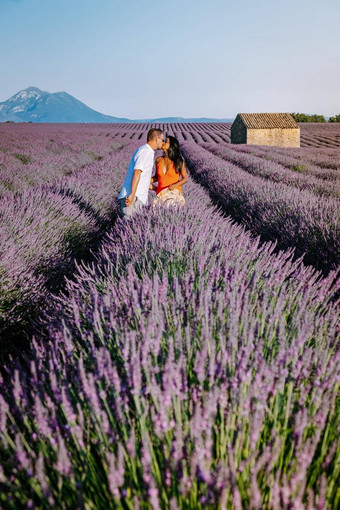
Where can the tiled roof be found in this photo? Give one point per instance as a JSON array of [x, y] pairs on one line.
[[268, 120]]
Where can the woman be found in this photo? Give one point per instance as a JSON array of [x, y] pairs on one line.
[[171, 174]]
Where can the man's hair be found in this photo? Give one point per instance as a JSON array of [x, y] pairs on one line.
[[153, 133]]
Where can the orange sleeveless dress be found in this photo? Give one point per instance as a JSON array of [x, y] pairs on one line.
[[164, 180]]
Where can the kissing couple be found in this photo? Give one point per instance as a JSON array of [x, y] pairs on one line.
[[171, 174]]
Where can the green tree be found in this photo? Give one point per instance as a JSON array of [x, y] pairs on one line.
[[316, 118], [336, 118], [303, 117], [300, 117]]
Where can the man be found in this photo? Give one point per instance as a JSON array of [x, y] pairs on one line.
[[135, 190]]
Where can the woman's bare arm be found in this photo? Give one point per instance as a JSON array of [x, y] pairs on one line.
[[183, 180]]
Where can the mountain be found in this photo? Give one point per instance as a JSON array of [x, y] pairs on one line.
[[35, 105], [183, 119]]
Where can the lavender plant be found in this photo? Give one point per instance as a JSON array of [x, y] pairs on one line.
[[61, 151], [42, 229], [323, 164], [187, 367], [272, 168], [295, 218], [317, 135]]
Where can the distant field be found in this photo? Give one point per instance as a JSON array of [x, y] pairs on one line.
[[312, 135], [188, 358]]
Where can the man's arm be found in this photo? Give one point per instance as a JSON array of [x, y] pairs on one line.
[[154, 178], [135, 181]]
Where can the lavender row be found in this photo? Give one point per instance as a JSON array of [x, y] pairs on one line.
[[42, 229], [320, 135], [325, 136], [188, 368], [323, 158], [60, 152], [273, 169], [319, 140], [324, 164], [291, 217]]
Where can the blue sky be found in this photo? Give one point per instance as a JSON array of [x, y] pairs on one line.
[[189, 58]]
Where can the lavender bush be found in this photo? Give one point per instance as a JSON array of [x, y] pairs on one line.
[[273, 169], [43, 228], [188, 367], [323, 163], [295, 218], [35, 154], [328, 159], [320, 135], [313, 135]]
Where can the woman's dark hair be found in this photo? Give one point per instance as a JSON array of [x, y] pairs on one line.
[[174, 154]]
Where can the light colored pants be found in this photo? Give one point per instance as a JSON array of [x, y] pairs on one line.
[[127, 212], [169, 197]]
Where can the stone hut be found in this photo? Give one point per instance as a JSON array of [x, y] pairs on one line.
[[278, 129]]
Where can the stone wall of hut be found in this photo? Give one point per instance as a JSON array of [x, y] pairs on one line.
[[274, 136]]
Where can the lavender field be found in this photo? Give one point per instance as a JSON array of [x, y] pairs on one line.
[[187, 359]]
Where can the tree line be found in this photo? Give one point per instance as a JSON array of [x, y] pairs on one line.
[[303, 117]]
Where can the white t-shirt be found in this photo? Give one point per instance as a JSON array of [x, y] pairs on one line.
[[142, 159]]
